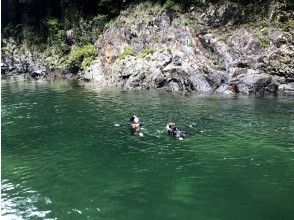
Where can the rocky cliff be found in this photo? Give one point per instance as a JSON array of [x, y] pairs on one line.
[[204, 50]]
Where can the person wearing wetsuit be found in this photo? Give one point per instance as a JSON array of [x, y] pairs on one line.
[[173, 131], [135, 123]]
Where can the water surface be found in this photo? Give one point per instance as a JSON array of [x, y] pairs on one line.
[[65, 157]]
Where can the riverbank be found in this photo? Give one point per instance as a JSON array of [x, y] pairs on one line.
[[211, 50]]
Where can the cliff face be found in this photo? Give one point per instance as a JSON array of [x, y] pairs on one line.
[[203, 50]]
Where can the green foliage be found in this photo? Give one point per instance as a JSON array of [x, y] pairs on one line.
[[261, 24], [215, 62], [263, 39], [14, 31], [127, 51], [31, 37], [56, 31], [8, 48], [81, 57], [87, 62], [53, 25], [57, 36], [57, 27], [87, 31], [180, 5], [110, 24], [287, 26], [146, 51], [184, 21], [172, 6], [99, 22], [224, 37]]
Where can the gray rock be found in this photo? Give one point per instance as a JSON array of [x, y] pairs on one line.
[[286, 89], [280, 37], [180, 53], [200, 83], [225, 53], [226, 14]]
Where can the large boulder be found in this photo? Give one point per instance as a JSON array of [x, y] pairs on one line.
[[287, 88], [221, 15], [95, 73], [252, 82], [225, 52], [278, 37]]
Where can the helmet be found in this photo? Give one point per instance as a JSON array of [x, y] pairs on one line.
[[136, 120]]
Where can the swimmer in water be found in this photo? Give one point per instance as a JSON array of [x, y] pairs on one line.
[[173, 131], [135, 124]]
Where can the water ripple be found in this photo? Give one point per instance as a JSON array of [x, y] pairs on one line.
[[67, 153]]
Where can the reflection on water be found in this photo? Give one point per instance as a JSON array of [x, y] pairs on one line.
[[67, 154]]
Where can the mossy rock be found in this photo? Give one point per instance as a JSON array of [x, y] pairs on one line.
[[146, 51], [126, 51]]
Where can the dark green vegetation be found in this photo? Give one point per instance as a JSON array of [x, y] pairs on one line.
[[53, 27], [63, 158]]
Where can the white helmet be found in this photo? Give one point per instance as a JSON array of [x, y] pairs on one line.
[[136, 120]]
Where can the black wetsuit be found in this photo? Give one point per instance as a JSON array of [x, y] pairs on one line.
[[175, 132], [137, 128]]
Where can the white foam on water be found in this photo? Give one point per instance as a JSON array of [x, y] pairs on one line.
[[78, 211]]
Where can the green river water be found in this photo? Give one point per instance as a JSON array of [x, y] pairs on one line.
[[67, 153]]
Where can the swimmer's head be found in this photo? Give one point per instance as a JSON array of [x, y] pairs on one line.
[[171, 124], [136, 120]]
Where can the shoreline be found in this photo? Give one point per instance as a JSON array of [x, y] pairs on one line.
[[146, 48], [58, 76]]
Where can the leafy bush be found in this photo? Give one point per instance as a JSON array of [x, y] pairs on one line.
[[31, 37], [87, 31], [79, 53], [263, 39], [14, 31], [185, 21], [223, 37], [87, 62], [261, 24], [56, 32], [127, 51], [146, 51], [53, 25], [172, 6], [81, 57], [288, 26], [99, 21], [57, 37]]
